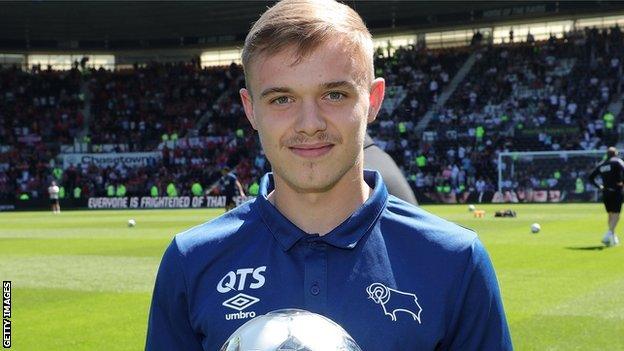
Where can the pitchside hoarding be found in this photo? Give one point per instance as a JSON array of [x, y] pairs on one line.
[[160, 202], [129, 159]]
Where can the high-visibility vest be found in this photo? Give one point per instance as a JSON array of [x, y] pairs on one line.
[[197, 189], [580, 186], [61, 192], [421, 161], [402, 128], [254, 188], [57, 172], [77, 192], [121, 191], [171, 190], [154, 191], [110, 190], [608, 120], [480, 132]]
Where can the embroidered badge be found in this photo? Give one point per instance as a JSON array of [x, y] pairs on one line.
[[393, 301]]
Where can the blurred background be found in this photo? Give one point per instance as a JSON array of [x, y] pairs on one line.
[[141, 98]]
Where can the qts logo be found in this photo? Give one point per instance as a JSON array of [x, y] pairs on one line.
[[242, 278]]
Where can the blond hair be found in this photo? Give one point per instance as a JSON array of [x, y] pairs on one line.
[[305, 25]]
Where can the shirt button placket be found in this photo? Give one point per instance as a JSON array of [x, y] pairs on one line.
[[315, 289]]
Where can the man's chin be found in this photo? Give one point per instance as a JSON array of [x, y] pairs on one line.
[[311, 184]]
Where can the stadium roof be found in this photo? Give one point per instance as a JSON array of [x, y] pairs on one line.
[[50, 25]]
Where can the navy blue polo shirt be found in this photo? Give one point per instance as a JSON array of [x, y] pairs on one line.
[[394, 276]]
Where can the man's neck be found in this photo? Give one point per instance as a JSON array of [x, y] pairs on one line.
[[319, 213]]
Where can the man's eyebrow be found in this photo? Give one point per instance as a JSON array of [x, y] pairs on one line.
[[339, 84], [274, 90]]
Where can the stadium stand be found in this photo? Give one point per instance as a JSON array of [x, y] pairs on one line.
[[551, 95], [39, 110], [546, 95]]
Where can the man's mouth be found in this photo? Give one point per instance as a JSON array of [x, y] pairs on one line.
[[311, 150]]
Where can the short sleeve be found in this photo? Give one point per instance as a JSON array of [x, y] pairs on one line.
[[169, 327], [479, 321]]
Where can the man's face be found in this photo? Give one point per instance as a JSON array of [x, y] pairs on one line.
[[312, 116]]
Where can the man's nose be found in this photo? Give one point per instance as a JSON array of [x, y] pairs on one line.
[[310, 120]]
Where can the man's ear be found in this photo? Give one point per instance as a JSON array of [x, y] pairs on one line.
[[248, 106], [377, 91]]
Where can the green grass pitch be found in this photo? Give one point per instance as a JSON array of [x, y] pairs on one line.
[[82, 280]]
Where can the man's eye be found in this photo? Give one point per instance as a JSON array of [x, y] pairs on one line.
[[281, 100], [335, 96]]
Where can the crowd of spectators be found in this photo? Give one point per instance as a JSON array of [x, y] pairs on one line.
[[141, 107], [39, 110], [422, 74], [550, 95], [546, 96], [40, 105]]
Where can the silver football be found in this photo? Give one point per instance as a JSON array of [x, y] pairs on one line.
[[290, 330]]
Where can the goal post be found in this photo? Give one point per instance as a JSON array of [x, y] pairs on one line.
[[547, 176]]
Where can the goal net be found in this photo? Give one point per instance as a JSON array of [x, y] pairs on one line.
[[547, 176]]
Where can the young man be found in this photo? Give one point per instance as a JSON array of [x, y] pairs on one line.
[[53, 192], [323, 235], [611, 171]]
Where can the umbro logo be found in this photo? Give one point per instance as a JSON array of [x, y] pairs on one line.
[[240, 301]]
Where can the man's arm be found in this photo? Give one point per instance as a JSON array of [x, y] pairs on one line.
[[213, 186], [169, 327], [377, 159], [592, 177], [241, 190], [621, 175], [478, 321]]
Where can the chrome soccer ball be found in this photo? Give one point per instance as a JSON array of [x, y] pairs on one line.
[[535, 228], [290, 330]]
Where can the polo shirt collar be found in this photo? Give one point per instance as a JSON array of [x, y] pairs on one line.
[[346, 235]]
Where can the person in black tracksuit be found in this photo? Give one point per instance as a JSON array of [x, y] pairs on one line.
[[611, 171], [230, 187], [377, 159]]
